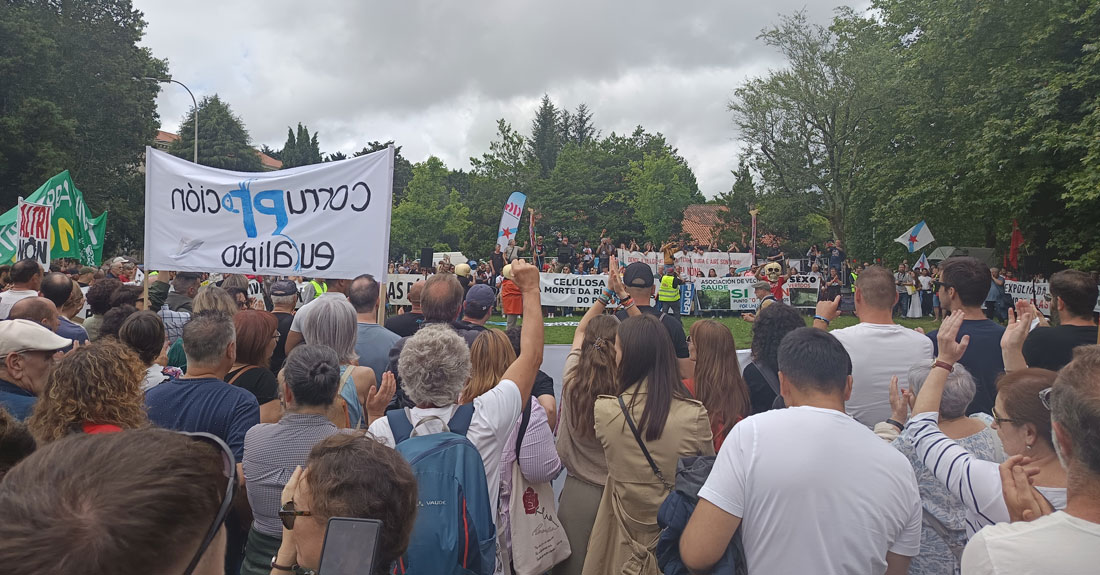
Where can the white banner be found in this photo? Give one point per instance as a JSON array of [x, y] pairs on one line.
[[33, 237], [1033, 292], [328, 220], [692, 265], [509, 220], [569, 290], [398, 286], [803, 291]]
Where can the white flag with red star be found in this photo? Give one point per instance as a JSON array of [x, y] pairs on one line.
[[509, 221], [916, 238]]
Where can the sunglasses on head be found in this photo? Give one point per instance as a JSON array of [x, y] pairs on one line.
[[229, 469], [1044, 396]]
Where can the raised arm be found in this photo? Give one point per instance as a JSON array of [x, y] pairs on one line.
[[523, 370], [1012, 342]]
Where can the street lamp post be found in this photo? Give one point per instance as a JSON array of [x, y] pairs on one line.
[[193, 101]]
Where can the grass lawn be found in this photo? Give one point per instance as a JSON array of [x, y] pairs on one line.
[[742, 330]]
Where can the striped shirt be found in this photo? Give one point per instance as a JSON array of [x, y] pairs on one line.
[[271, 452], [975, 482]]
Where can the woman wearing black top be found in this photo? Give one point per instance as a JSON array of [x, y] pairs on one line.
[[257, 334], [772, 323]]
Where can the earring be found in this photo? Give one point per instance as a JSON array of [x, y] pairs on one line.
[[1029, 446]]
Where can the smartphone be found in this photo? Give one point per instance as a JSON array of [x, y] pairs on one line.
[[350, 547], [847, 302]]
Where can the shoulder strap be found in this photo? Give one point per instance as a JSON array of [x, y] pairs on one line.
[[773, 382], [344, 377], [241, 372], [460, 421], [524, 421], [400, 425], [641, 444], [944, 533], [662, 318]]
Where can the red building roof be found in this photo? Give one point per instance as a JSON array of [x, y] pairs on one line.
[[163, 138]]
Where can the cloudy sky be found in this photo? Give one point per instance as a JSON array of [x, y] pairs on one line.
[[435, 76]]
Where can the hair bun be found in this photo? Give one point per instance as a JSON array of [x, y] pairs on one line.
[[320, 370]]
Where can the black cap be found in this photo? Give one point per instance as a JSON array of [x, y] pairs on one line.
[[638, 275]]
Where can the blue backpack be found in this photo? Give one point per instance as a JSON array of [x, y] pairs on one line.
[[454, 532]]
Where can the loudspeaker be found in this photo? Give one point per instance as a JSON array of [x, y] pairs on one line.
[[426, 258]]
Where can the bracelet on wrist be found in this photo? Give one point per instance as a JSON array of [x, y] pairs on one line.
[[896, 423], [602, 298], [820, 318]]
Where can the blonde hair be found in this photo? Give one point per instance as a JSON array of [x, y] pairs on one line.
[[490, 356], [213, 298]]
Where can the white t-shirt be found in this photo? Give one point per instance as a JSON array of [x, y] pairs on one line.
[[879, 352], [816, 493], [85, 312], [8, 299], [495, 413], [925, 282], [303, 313], [1058, 544]]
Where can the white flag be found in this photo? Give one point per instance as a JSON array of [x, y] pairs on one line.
[[916, 238]]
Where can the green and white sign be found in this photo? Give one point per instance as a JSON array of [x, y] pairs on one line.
[[74, 233]]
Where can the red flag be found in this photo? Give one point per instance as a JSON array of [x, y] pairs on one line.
[[1014, 246]]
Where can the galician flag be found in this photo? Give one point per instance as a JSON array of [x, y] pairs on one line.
[[916, 238], [922, 263]]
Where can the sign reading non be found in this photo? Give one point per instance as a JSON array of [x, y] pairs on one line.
[[33, 236]]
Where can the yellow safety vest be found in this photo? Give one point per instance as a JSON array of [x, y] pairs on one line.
[[667, 291], [318, 288]]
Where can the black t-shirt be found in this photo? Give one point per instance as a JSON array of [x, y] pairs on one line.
[[1052, 347], [982, 359], [498, 262], [259, 381], [544, 385], [566, 253], [761, 394], [279, 355], [405, 324], [672, 324]]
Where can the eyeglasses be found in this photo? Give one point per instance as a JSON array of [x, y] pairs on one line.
[[229, 469], [287, 513], [937, 284], [1001, 420], [1044, 396]]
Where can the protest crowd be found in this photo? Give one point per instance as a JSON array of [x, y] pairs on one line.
[[184, 422]]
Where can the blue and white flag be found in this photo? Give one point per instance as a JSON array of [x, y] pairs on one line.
[[916, 238], [922, 263]]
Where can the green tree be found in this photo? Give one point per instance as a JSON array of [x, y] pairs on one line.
[[505, 168], [301, 149], [661, 187], [271, 153], [223, 140], [807, 124], [546, 135], [69, 100], [336, 157], [430, 214]]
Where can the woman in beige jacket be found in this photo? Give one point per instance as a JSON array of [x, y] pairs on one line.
[[667, 422]]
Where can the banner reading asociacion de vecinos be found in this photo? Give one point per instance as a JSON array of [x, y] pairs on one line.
[[328, 220]]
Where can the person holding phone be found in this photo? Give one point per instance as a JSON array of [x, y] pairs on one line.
[[346, 477]]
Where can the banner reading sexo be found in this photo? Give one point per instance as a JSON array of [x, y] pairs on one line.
[[328, 220]]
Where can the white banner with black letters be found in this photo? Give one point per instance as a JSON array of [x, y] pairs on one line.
[[328, 220]]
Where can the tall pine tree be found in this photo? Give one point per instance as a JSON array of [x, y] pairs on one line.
[[546, 140], [301, 150]]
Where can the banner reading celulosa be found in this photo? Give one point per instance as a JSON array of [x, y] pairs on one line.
[[74, 232], [328, 220]]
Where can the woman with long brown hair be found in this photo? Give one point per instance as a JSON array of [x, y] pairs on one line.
[[717, 380], [590, 371], [490, 356], [645, 430], [257, 334], [93, 389]]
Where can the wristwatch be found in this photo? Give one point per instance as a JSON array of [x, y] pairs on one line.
[[944, 365]]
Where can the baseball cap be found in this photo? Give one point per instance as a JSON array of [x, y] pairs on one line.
[[284, 287], [638, 275], [119, 260], [481, 295], [762, 285], [462, 270], [506, 271], [17, 335]]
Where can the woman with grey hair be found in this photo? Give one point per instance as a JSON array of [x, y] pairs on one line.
[[331, 322], [943, 533], [308, 383]]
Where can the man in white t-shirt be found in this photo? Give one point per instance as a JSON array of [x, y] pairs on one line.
[[1068, 541], [812, 490], [435, 364], [26, 279], [879, 348]]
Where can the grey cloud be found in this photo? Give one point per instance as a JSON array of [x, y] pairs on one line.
[[436, 76]]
